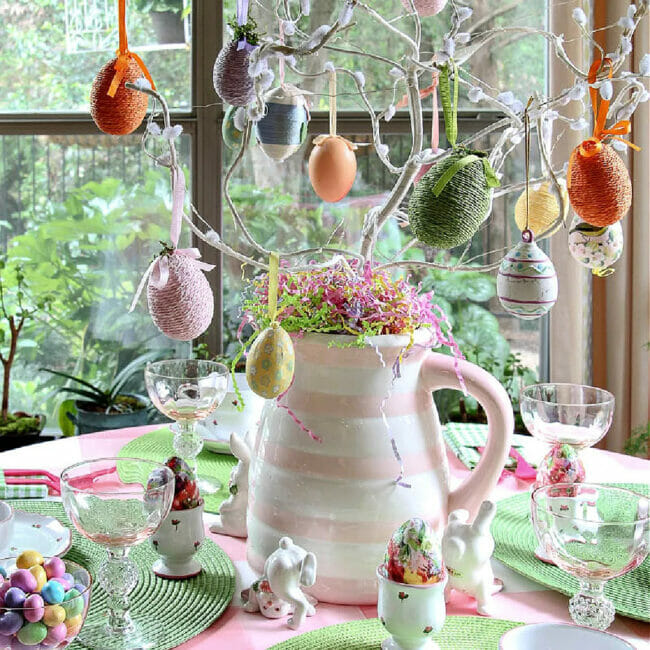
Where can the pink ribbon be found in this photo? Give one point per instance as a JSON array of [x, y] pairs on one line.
[[158, 271]]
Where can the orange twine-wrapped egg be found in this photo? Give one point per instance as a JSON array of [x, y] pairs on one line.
[[123, 113], [599, 185]]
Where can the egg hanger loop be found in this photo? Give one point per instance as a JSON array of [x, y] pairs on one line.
[[332, 76], [527, 234]]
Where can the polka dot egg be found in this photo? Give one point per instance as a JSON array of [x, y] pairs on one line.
[[270, 362], [596, 247], [526, 281]]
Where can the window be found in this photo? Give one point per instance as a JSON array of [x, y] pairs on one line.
[[84, 211]]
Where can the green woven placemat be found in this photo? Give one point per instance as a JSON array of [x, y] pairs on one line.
[[183, 607], [459, 633], [158, 446], [515, 544]]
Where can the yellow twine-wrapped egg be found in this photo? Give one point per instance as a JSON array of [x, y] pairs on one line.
[[270, 362], [543, 210]]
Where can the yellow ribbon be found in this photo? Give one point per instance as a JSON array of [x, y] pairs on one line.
[[124, 55], [274, 263]]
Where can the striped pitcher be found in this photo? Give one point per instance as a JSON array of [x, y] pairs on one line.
[[352, 451]]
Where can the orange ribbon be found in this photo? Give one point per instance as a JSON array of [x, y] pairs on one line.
[[424, 92], [123, 54]]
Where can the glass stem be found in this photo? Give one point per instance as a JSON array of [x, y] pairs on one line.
[[118, 576], [593, 589], [187, 443]]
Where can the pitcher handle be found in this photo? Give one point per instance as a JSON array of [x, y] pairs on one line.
[[438, 371]]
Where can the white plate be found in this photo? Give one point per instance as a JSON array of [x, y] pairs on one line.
[[32, 531], [216, 429], [553, 636]]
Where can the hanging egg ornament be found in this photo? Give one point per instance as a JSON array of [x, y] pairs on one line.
[[598, 182], [123, 113], [426, 7], [526, 280], [232, 135], [230, 75], [450, 217], [270, 362], [332, 167], [283, 128], [183, 308], [596, 247], [544, 209]]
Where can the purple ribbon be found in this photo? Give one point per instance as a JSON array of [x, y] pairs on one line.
[[242, 19]]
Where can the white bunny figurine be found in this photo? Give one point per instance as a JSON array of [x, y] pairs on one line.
[[287, 569], [232, 513], [466, 552]]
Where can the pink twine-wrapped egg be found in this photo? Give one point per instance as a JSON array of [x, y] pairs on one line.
[[183, 308], [230, 75], [426, 7]]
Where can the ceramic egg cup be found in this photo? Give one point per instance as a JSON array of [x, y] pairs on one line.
[[177, 540], [411, 613]]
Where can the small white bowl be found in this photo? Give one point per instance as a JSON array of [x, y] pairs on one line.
[[544, 636], [6, 524]]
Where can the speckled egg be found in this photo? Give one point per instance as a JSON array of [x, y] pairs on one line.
[[283, 128], [596, 247], [332, 167], [233, 125], [526, 281], [413, 554], [270, 362]]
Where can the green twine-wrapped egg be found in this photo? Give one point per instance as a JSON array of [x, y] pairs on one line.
[[451, 218]]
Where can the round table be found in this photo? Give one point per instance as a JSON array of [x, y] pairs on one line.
[[520, 600]]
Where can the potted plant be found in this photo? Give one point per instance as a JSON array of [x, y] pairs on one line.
[[16, 308], [102, 409], [167, 17]]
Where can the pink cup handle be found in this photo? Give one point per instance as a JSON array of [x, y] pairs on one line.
[[438, 372]]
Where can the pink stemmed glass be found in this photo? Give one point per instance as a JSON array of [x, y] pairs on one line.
[[569, 417], [118, 503]]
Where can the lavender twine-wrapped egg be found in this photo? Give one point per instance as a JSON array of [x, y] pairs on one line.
[[230, 75], [183, 308]]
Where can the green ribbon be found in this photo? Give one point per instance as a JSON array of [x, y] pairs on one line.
[[490, 177], [449, 110]]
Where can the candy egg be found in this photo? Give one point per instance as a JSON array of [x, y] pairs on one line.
[[4, 587], [62, 581], [599, 184], [123, 113], [183, 308], [332, 167], [34, 608], [32, 633], [53, 592], [596, 247], [73, 603], [15, 597], [56, 634], [526, 281], [413, 555], [73, 625], [54, 567], [41, 577], [28, 559], [53, 615], [24, 580], [3, 572], [10, 623], [284, 126], [270, 362], [82, 590]]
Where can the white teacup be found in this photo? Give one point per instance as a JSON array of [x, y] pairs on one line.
[[411, 613], [177, 540], [6, 525]]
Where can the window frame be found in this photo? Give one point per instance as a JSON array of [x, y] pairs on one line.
[[203, 122]]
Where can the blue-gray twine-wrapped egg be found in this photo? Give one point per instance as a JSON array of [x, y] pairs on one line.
[[283, 128]]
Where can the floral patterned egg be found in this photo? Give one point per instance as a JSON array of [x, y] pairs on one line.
[[596, 247], [270, 362], [526, 281]]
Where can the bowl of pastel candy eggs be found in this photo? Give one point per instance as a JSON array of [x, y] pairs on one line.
[[43, 601]]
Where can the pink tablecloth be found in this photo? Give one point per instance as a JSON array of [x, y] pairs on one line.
[[521, 599]]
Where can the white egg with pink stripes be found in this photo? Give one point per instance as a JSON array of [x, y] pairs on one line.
[[526, 281]]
